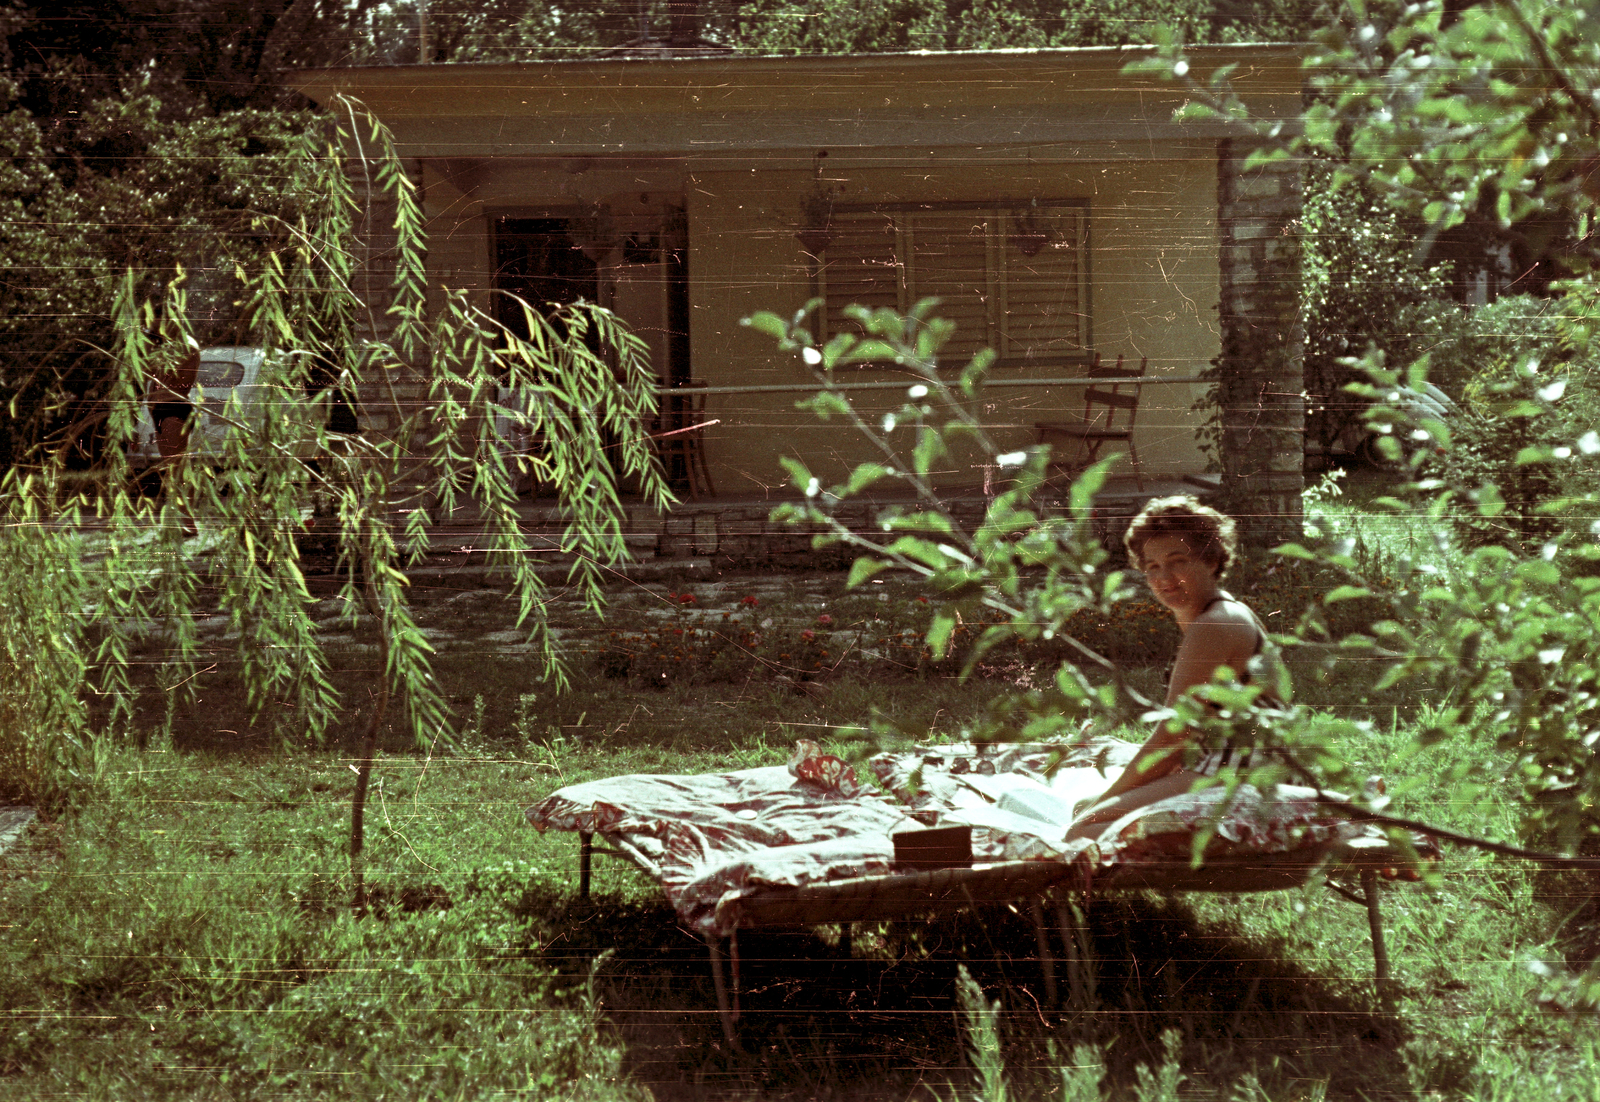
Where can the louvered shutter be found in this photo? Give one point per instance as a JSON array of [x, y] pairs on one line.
[[1042, 309], [861, 266], [951, 260], [974, 260]]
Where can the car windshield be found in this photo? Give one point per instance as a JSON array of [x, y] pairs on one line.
[[214, 373]]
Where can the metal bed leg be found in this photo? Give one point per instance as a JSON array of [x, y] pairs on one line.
[[1046, 962], [1380, 954], [1080, 962], [717, 981], [733, 958], [585, 856]]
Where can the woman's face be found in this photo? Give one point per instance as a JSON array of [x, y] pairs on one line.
[[1180, 579]]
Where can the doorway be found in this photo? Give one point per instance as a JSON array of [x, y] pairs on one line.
[[643, 277], [536, 260]]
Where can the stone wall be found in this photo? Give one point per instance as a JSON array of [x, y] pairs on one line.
[[1261, 388], [741, 536]]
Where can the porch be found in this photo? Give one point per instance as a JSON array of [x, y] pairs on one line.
[[1051, 200]]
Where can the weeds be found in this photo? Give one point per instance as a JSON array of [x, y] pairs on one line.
[[188, 934], [192, 939]]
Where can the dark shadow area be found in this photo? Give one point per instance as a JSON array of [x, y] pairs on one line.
[[881, 1022]]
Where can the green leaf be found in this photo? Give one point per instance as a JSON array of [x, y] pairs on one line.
[[923, 520], [836, 349], [1523, 407], [1346, 593], [1490, 502], [1539, 571], [825, 403], [929, 449], [1265, 155], [872, 351], [939, 633], [1294, 551], [865, 475], [1196, 111], [863, 569], [1087, 484], [768, 323], [799, 473]]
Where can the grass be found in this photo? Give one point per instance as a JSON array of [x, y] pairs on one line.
[[186, 934]]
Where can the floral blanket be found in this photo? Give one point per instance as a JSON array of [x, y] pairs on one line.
[[712, 840]]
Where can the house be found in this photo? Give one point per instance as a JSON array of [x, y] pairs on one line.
[[1047, 197]]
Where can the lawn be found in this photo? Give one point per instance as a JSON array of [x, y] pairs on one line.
[[186, 934]]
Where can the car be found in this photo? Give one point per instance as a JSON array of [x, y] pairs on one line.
[[229, 375], [226, 374], [1357, 439]]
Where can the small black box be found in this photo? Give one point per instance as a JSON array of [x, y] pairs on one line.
[[934, 848]]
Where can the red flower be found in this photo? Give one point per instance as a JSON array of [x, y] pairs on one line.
[[808, 635], [825, 620], [922, 600], [686, 599], [749, 600]]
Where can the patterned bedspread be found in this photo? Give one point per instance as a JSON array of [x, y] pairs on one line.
[[713, 840]]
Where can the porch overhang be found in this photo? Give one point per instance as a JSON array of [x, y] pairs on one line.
[[732, 108]]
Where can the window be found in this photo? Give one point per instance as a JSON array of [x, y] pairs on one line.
[[1012, 276], [219, 372]]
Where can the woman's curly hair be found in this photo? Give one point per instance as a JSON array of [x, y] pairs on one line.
[[1212, 535]]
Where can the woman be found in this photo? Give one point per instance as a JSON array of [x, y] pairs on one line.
[[1183, 548]]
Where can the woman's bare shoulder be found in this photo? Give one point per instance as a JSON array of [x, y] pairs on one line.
[[1227, 624], [1228, 609]]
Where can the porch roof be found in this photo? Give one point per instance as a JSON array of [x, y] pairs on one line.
[[732, 106]]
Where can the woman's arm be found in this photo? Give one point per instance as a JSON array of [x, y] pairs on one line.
[[1223, 637], [1146, 766]]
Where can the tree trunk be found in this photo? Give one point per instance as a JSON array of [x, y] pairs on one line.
[[358, 801], [369, 746]]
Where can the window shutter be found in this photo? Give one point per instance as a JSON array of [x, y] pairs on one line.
[[1043, 309], [951, 260], [975, 260], [862, 267]]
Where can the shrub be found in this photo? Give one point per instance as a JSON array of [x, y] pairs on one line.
[[43, 720], [1362, 287], [1463, 345], [1524, 393]]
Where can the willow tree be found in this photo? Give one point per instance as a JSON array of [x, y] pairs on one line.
[[94, 575]]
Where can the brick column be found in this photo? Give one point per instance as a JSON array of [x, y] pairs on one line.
[[1261, 371]]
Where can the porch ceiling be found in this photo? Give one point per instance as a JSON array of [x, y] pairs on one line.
[[739, 106]]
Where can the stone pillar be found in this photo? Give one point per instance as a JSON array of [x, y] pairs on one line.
[[1261, 375]]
